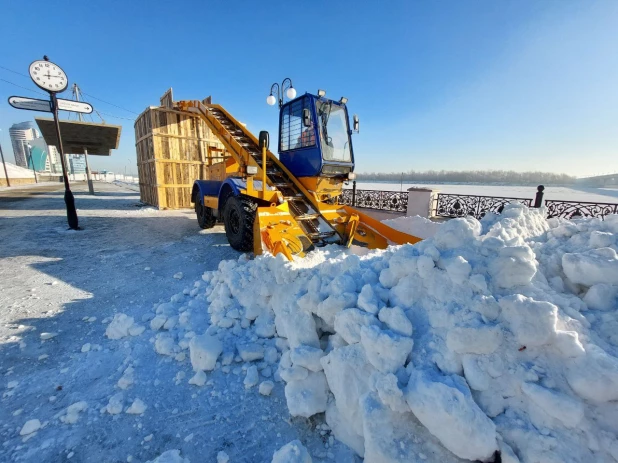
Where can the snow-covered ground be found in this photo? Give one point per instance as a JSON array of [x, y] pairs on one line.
[[142, 334], [66, 283], [133, 186], [28, 186], [602, 195], [416, 225]]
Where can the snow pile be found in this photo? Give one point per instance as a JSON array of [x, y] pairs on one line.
[[204, 351], [15, 171], [170, 456], [114, 406], [122, 326], [31, 426], [72, 412], [266, 387], [498, 335], [414, 225], [292, 452], [137, 407]]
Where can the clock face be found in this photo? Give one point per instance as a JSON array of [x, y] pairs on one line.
[[48, 76]]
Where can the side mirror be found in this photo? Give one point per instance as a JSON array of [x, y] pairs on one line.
[[356, 123], [264, 139], [306, 117]]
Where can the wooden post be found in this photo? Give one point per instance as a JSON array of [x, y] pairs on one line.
[[538, 201], [8, 182]]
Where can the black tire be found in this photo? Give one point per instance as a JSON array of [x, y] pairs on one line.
[[205, 216], [238, 218]]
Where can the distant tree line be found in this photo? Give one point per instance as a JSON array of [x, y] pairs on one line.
[[471, 176]]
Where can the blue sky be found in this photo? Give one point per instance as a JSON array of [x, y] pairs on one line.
[[472, 84]]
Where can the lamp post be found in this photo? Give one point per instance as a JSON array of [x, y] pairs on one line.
[[8, 182], [36, 180], [279, 89]]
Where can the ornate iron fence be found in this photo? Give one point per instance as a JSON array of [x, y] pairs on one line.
[[578, 209], [347, 197], [453, 205], [376, 199]]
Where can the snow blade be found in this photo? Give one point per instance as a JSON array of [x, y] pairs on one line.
[[373, 234], [276, 231]]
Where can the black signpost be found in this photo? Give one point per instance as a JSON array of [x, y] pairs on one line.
[[69, 199], [56, 81], [51, 78]]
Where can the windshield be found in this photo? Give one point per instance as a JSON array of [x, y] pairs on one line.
[[334, 132]]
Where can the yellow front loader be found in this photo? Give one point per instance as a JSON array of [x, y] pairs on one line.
[[289, 204]]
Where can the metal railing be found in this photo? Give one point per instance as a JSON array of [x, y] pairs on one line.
[[375, 199], [453, 205], [456, 205], [579, 209]]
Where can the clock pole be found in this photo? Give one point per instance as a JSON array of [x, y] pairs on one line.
[[69, 199]]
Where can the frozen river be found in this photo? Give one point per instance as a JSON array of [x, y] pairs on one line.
[[575, 193]]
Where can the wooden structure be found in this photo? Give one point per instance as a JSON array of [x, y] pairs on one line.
[[174, 148]]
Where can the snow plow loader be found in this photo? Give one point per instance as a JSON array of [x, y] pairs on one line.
[[290, 204]]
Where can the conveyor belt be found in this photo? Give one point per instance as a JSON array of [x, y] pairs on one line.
[[313, 224]]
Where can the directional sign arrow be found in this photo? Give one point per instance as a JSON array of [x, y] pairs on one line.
[[32, 104], [75, 106]]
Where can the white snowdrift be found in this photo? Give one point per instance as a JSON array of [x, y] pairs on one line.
[[493, 335], [15, 171], [292, 452], [121, 326], [414, 225], [170, 456]]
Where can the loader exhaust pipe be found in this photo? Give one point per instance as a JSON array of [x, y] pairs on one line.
[[264, 141]]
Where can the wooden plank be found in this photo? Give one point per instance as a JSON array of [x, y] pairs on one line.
[[167, 100], [174, 185], [170, 161], [171, 135]]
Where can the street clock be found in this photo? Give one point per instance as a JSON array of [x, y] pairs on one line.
[[48, 76]]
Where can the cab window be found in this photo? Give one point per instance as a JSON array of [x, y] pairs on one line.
[[334, 134], [292, 133]]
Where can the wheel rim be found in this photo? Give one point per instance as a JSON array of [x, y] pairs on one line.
[[234, 222]]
